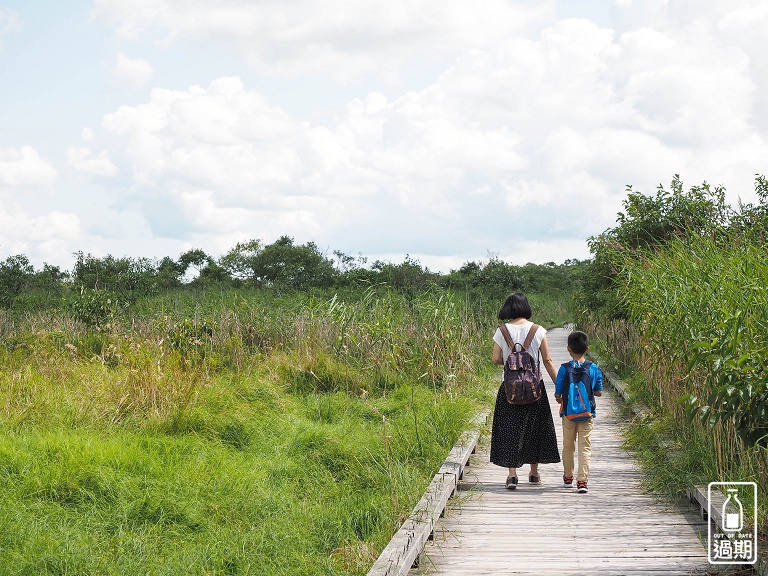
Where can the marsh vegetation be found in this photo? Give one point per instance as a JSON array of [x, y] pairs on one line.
[[238, 423]]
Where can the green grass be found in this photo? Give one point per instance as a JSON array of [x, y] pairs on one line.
[[280, 491], [231, 433]]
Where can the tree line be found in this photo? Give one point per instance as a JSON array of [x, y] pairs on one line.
[[282, 266]]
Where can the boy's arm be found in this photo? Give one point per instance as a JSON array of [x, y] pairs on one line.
[[597, 381], [559, 384]]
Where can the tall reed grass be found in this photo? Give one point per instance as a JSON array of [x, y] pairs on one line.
[[697, 330]]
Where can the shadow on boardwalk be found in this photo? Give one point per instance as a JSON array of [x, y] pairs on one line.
[[614, 529]]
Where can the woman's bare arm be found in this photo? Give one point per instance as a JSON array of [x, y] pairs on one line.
[[546, 358], [497, 355]]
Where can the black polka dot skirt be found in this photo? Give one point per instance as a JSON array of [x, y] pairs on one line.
[[523, 434]]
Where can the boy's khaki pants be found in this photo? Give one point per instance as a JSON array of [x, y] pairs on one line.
[[572, 430]]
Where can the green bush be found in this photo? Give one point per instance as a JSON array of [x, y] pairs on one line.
[[95, 308]]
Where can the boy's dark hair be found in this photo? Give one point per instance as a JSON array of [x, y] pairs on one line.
[[578, 342], [515, 306]]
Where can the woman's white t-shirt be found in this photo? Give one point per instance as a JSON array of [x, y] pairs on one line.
[[518, 333]]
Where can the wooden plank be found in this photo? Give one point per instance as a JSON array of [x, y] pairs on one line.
[[407, 545], [459, 455], [616, 528]]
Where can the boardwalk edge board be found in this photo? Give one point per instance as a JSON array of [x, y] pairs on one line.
[[407, 545], [697, 495]]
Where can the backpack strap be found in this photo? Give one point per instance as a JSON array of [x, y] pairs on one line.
[[566, 386], [527, 343], [507, 336], [587, 379], [529, 338]]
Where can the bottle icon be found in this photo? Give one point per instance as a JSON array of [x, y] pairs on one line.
[[733, 512]]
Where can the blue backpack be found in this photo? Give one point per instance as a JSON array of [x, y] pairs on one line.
[[578, 397]]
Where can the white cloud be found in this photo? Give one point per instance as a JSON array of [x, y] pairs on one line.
[[549, 124], [345, 23], [49, 236], [24, 168], [745, 18], [221, 136], [131, 73], [453, 120], [411, 154], [201, 210], [80, 159], [9, 21], [632, 15], [343, 39], [544, 250]]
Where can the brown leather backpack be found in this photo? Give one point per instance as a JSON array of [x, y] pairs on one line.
[[522, 374]]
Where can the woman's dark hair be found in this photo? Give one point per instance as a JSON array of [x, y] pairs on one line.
[[578, 342], [515, 306]]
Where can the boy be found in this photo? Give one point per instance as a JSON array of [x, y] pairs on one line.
[[578, 344]]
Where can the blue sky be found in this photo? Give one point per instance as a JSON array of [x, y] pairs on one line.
[[446, 130]]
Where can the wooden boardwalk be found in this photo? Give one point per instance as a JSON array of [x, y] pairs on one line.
[[614, 529]]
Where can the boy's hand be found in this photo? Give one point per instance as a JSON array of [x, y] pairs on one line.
[[559, 398]]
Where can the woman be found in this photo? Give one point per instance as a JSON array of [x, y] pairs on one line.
[[522, 434]]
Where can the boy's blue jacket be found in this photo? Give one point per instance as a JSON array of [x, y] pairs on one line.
[[594, 372]]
